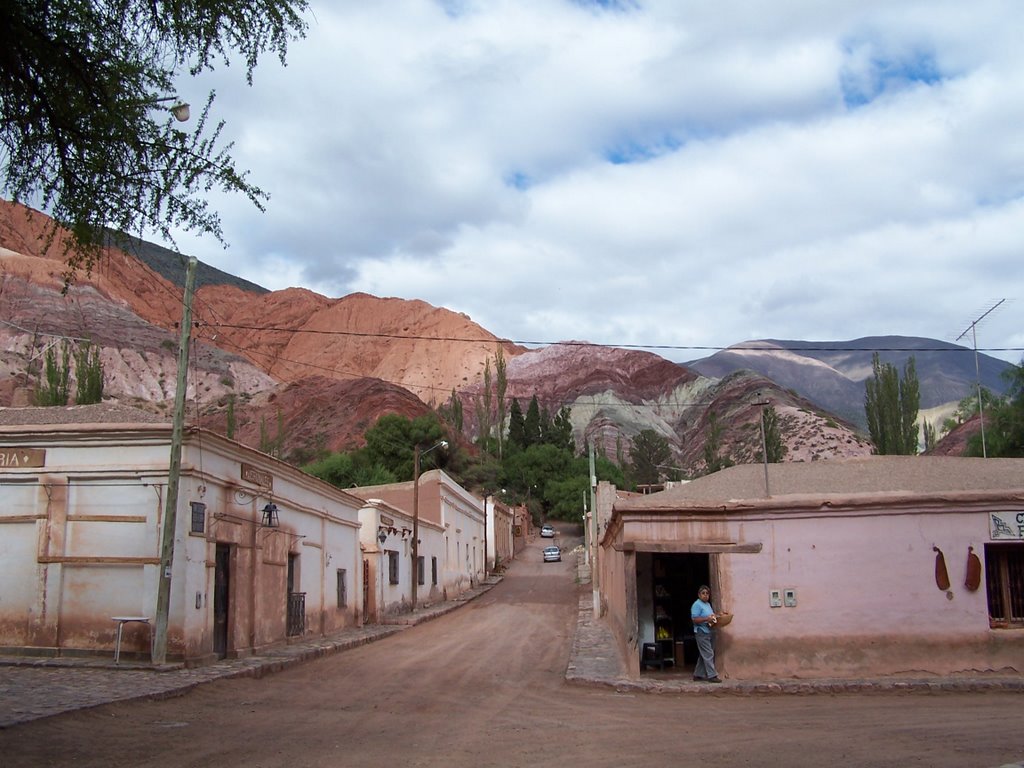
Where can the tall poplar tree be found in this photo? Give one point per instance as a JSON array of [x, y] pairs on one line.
[[500, 388], [891, 404], [774, 447]]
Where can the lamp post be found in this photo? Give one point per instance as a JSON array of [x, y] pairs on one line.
[[416, 456]]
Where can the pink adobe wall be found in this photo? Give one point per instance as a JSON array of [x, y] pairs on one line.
[[866, 598]]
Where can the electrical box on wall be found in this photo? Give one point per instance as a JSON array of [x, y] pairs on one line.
[[775, 598], [789, 597]]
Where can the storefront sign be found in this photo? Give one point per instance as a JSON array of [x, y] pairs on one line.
[[17, 458], [1006, 525], [257, 477]]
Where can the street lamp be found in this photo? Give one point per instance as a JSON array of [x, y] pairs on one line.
[[179, 108], [417, 455]]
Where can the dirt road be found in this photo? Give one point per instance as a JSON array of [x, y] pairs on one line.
[[484, 686]]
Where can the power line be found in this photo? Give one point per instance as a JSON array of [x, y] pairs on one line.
[[535, 343]]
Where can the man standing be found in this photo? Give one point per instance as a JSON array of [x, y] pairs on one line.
[[704, 619]]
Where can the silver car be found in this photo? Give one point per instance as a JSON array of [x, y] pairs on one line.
[[552, 555], [547, 532]]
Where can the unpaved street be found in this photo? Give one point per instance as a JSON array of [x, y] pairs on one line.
[[484, 686]]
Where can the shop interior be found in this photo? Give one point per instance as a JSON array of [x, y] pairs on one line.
[[667, 585]]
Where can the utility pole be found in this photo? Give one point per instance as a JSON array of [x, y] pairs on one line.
[[163, 595], [415, 524], [595, 574]]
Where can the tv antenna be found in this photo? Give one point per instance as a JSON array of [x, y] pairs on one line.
[[973, 328]]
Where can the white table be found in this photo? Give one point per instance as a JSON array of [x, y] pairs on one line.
[[121, 621]]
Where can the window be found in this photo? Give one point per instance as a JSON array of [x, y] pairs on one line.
[[198, 517], [433, 571], [420, 569], [1004, 581], [392, 566], [342, 588]]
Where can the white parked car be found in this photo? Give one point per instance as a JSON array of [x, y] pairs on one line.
[[547, 532]]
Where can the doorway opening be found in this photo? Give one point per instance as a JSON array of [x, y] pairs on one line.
[[221, 600], [667, 586]]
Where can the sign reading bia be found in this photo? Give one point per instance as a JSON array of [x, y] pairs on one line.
[[17, 458], [1006, 525]]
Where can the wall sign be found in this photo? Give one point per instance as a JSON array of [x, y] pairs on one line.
[[1006, 525], [257, 477], [16, 458]]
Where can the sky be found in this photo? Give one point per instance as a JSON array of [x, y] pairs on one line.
[[668, 174]]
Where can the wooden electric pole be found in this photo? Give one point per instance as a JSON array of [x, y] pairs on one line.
[[163, 595]]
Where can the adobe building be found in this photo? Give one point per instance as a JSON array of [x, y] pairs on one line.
[[263, 552], [459, 517], [859, 567], [386, 543]]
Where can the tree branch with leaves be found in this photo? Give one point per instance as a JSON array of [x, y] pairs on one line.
[[81, 132]]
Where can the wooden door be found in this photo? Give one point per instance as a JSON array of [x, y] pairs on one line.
[[221, 597]]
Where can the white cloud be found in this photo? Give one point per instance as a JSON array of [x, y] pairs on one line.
[[656, 173]]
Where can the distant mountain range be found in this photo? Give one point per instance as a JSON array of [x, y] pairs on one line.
[[325, 369], [832, 374]]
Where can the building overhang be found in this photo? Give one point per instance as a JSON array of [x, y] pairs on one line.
[[690, 547]]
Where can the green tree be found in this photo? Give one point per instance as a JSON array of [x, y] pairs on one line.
[[391, 443], [79, 135], [968, 407], [713, 459], [891, 404], [563, 496], [559, 433], [516, 425], [928, 431], [273, 446], [500, 389], [344, 470], [55, 386], [647, 453], [88, 375], [773, 445], [451, 412], [1004, 421], [231, 418], [532, 423], [484, 409]]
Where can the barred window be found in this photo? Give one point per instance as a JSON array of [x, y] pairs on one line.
[[342, 588], [393, 566], [198, 517], [1004, 582]]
